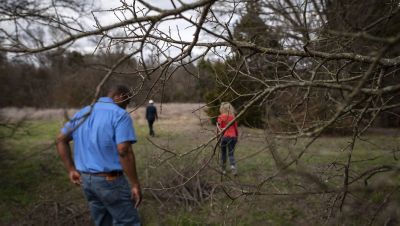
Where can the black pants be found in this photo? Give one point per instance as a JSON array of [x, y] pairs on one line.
[[150, 122]]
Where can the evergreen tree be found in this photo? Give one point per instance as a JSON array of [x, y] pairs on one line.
[[235, 79]]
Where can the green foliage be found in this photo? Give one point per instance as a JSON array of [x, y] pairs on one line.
[[231, 84], [28, 160], [218, 93], [253, 29]]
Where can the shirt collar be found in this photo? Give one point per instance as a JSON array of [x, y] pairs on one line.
[[105, 100]]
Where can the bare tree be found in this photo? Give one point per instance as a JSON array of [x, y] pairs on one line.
[[332, 66]]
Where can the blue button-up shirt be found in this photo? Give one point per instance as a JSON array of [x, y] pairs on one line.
[[96, 134]]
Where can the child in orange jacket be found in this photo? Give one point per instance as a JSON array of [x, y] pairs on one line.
[[229, 137]]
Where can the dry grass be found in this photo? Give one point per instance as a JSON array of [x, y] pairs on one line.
[[185, 116], [169, 113], [181, 128], [11, 114]]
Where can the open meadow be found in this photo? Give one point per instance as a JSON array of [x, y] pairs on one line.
[[183, 185]]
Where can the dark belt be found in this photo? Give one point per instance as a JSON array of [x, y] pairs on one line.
[[106, 174]]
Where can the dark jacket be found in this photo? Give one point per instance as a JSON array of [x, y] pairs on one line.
[[151, 113]]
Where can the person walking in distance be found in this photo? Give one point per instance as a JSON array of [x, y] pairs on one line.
[[103, 135], [229, 137], [151, 116]]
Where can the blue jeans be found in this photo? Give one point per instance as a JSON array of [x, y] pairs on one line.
[[228, 143], [110, 201]]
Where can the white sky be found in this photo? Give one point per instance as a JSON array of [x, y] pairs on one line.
[[105, 16], [171, 27], [108, 17]]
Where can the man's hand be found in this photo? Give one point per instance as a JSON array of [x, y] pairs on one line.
[[127, 159], [64, 150], [75, 177], [136, 195]]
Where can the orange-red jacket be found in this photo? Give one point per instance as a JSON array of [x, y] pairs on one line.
[[223, 120]]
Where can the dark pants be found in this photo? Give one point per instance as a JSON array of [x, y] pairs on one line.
[[150, 122], [228, 143], [110, 202]]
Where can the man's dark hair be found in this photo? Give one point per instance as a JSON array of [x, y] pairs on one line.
[[118, 89]]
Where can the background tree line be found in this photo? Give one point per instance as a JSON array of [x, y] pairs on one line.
[[68, 79], [64, 78]]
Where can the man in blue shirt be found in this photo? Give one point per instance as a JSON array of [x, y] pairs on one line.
[[102, 135]]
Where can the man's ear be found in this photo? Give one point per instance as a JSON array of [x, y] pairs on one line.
[[121, 97], [117, 98]]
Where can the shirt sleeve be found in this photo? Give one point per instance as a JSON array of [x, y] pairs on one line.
[[76, 120], [68, 128], [124, 130]]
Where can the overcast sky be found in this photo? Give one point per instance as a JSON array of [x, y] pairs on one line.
[[108, 17], [105, 16]]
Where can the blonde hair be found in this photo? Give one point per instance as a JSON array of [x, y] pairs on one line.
[[227, 108]]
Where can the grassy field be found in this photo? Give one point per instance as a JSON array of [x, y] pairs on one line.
[[183, 184]]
